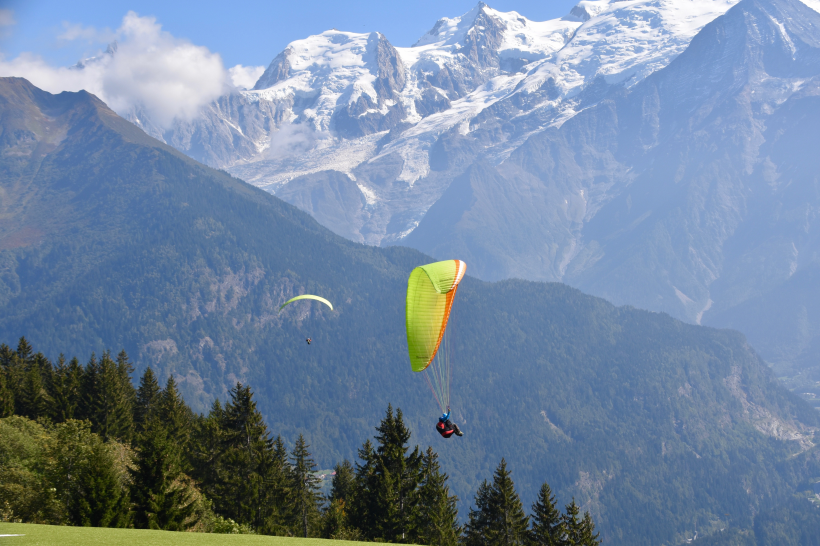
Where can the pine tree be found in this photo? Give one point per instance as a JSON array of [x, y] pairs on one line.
[[33, 400], [480, 518], [397, 478], [161, 500], [588, 535], [7, 356], [304, 488], [174, 413], [362, 510], [206, 445], [335, 520], [104, 502], [547, 525], [572, 525], [110, 402], [344, 481], [146, 398], [6, 394], [280, 452], [437, 514], [278, 478], [248, 461], [65, 390], [88, 391], [85, 475], [499, 517], [30, 377], [24, 351], [14, 373], [125, 370]]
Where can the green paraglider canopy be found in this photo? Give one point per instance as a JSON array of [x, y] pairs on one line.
[[307, 297], [431, 289]]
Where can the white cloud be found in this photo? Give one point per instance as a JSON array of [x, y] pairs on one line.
[[292, 140], [244, 77], [151, 70]]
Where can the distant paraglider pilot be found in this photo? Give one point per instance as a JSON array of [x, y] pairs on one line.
[[447, 428], [308, 341]]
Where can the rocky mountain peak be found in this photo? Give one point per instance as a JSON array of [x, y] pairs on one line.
[[454, 31], [386, 66], [277, 71]]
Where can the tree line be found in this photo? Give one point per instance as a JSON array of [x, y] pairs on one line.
[[80, 445]]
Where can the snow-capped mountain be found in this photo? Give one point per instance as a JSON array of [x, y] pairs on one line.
[[350, 128], [693, 192], [627, 148]]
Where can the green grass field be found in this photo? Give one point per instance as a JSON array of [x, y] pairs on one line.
[[42, 535]]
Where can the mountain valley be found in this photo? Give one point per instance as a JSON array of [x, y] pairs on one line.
[[110, 239]]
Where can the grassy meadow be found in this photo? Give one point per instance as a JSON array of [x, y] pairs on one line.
[[48, 535]]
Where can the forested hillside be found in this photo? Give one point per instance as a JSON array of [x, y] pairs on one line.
[[81, 446], [110, 239]]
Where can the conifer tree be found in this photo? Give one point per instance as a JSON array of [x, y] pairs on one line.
[[174, 413], [499, 517], [248, 460], [125, 369], [33, 399], [277, 482], [397, 478], [344, 481], [6, 394], [437, 515], [85, 475], [304, 488], [362, 512], [480, 518], [206, 445], [547, 525], [161, 500], [110, 408], [7, 356], [46, 372], [88, 391], [588, 535], [146, 398], [280, 452], [572, 525], [24, 351], [335, 520], [104, 503], [14, 374], [65, 390]]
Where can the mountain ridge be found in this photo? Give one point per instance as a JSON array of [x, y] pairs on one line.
[[448, 82]]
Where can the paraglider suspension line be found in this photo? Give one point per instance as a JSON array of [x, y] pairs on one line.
[[441, 371], [429, 384]]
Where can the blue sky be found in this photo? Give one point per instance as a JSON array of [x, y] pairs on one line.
[[242, 32]]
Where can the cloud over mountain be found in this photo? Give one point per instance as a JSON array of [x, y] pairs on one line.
[[144, 68]]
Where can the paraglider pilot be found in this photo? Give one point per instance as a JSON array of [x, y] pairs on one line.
[[308, 341], [445, 427]]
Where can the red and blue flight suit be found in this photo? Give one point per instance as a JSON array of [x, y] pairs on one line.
[[447, 428]]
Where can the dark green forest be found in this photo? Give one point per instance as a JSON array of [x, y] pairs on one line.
[[80, 445], [110, 239]]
